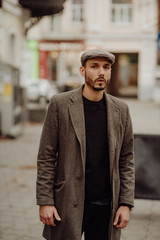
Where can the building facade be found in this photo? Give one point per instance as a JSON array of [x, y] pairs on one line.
[[16, 17], [12, 40], [12, 18], [127, 28]]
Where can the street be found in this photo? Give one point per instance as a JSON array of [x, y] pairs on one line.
[[19, 218], [49, 47]]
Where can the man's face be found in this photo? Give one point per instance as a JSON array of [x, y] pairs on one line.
[[97, 73]]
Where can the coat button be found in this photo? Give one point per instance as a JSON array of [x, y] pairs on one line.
[[78, 178], [75, 205]]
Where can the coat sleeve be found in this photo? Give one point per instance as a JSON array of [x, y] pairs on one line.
[[46, 161], [126, 165]]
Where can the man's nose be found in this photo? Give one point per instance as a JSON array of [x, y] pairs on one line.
[[101, 71]]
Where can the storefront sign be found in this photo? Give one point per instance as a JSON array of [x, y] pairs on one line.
[[7, 89], [62, 46]]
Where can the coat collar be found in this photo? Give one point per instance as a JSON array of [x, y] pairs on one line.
[[76, 110]]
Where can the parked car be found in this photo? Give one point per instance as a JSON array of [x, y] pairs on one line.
[[40, 90]]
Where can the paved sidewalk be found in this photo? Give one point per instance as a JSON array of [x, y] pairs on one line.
[[145, 116], [18, 211]]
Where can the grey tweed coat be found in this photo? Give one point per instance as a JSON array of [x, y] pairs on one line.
[[61, 162]]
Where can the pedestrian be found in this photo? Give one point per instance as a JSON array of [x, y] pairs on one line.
[[85, 179]]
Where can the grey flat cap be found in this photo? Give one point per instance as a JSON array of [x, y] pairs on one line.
[[94, 53]]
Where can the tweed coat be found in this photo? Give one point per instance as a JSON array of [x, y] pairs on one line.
[[61, 162]]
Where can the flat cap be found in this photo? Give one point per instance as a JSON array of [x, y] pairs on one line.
[[94, 53]]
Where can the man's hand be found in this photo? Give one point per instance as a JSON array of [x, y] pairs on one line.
[[122, 217], [48, 214]]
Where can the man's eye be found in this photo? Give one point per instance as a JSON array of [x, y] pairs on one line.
[[93, 66]]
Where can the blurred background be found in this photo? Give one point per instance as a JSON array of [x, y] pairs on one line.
[[40, 47]]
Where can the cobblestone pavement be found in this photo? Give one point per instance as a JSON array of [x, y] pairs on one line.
[[18, 211]]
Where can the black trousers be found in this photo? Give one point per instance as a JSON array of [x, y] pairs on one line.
[[96, 221]]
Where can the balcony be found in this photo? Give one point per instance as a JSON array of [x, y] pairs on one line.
[[40, 8]]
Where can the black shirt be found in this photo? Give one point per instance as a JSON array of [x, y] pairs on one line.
[[97, 177]]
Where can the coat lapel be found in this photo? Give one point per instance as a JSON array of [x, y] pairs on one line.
[[113, 118], [76, 110]]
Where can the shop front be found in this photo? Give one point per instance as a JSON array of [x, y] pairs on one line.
[[124, 80], [60, 61]]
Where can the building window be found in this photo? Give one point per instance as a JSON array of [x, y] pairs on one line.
[[77, 11], [12, 48], [122, 11], [55, 23]]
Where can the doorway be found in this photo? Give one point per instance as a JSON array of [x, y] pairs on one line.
[[124, 80], [52, 66]]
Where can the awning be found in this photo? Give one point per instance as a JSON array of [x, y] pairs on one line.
[[41, 8]]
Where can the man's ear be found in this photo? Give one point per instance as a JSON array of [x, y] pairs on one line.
[[82, 71]]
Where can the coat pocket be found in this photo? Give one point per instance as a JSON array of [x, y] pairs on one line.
[[59, 183]]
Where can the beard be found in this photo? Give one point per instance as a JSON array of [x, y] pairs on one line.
[[92, 83]]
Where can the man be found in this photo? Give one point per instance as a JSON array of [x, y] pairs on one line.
[[85, 179]]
